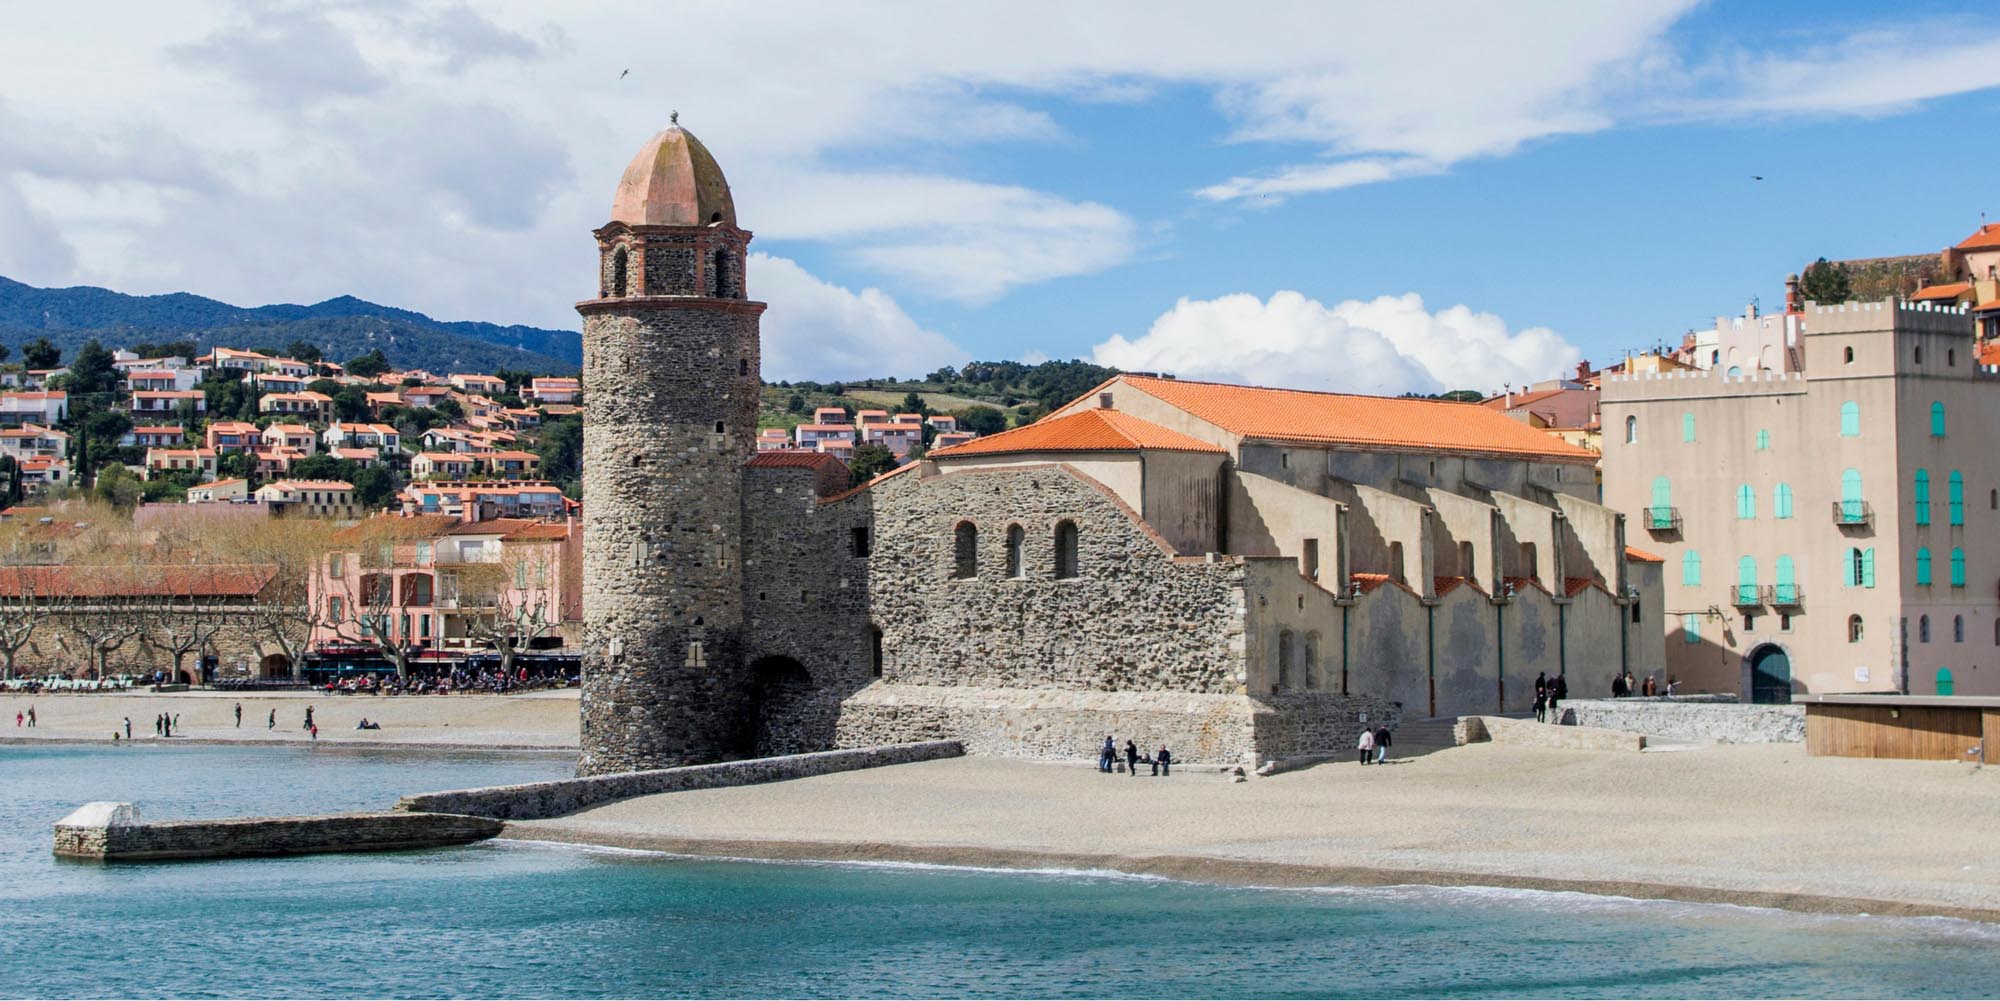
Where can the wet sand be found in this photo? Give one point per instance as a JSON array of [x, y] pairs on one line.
[[1752, 825], [531, 720]]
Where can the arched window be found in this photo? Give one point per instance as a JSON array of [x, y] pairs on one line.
[[1016, 540], [1786, 587], [618, 270], [1065, 549], [1781, 501], [1687, 426], [1847, 356], [1850, 419], [1937, 418], [1284, 679], [1923, 629], [1923, 498], [1631, 430], [1958, 629], [1957, 567], [1746, 502], [965, 551], [719, 278], [1923, 566], [1954, 495], [1944, 685], [1851, 507], [1746, 580], [1854, 629], [1690, 569]]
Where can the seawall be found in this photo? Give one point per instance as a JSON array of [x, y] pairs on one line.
[[115, 832], [541, 800], [1707, 721]]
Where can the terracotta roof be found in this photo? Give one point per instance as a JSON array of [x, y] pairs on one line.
[[1573, 586], [222, 580], [1097, 430], [381, 526], [1641, 556], [1986, 238], [1946, 292], [1990, 354], [540, 530], [491, 526], [791, 459], [1293, 415]]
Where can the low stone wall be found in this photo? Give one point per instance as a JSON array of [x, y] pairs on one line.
[[539, 800], [1072, 724], [1528, 733], [115, 832], [1721, 722]]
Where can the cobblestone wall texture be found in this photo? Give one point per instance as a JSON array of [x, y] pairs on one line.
[[537, 800], [1528, 733], [670, 416], [1705, 720]]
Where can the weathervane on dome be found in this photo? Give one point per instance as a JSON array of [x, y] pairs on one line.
[[673, 118]]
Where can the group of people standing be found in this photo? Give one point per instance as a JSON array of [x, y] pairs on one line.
[[29, 717], [1107, 758], [1374, 745], [1549, 693]]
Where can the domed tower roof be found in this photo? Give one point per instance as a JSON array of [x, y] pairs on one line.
[[673, 182]]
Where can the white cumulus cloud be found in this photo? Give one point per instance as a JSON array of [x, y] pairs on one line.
[[821, 331], [1387, 345]]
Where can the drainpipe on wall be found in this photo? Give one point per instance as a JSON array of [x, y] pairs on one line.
[[1431, 653], [1562, 640], [1500, 648], [1344, 609]]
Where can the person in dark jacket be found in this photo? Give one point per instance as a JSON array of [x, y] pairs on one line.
[[1381, 744], [1618, 687], [1106, 754], [1542, 685], [1541, 707], [1163, 762], [1132, 758]]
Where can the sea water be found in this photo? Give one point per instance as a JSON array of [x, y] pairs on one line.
[[524, 920]]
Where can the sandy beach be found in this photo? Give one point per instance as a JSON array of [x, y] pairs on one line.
[[1756, 825], [538, 720]]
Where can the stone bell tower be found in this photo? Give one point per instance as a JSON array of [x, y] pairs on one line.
[[671, 379]]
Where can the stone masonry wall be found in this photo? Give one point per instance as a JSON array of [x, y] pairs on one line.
[[1134, 619], [1704, 720], [538, 800], [253, 836], [670, 417]]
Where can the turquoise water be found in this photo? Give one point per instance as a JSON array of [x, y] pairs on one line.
[[508, 920]]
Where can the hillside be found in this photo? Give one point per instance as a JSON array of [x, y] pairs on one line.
[[1018, 392], [342, 328]]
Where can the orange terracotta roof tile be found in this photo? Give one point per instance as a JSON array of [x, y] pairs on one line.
[[1087, 431], [1638, 555], [1987, 238], [1990, 354], [229, 580], [791, 458], [1293, 415], [1946, 292]]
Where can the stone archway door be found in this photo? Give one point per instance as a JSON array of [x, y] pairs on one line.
[[784, 695], [1770, 675], [276, 665]]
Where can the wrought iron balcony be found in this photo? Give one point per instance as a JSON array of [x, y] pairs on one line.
[[1746, 596], [1783, 596], [1663, 519], [1853, 512]]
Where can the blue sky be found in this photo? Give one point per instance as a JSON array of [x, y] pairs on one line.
[[1342, 196]]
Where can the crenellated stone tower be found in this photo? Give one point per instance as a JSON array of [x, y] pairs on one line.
[[671, 377]]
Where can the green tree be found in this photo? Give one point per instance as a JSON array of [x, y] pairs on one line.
[[166, 349], [914, 404], [795, 404], [117, 487], [449, 410], [373, 487], [350, 403], [5, 351], [41, 353], [869, 462], [560, 446], [1463, 396], [325, 467], [981, 420], [368, 366], [1825, 282], [305, 351]]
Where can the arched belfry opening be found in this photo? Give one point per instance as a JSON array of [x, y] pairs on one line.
[[619, 273], [721, 283]]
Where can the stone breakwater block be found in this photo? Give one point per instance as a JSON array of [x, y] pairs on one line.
[[1528, 733], [114, 832]]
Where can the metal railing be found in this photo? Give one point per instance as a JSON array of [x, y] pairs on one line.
[[1746, 596], [1853, 512], [1783, 596], [1663, 519]]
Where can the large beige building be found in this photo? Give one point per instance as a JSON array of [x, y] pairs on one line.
[[1822, 526]]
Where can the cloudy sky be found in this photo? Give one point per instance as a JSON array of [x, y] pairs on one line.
[[1371, 197]]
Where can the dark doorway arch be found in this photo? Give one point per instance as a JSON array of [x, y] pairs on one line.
[[786, 701], [1770, 675], [275, 665]]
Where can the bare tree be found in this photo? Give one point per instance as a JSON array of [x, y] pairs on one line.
[[368, 594], [23, 609], [285, 612], [97, 631], [512, 603], [190, 610]]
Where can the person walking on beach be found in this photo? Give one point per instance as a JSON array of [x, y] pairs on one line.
[[1541, 707], [1163, 762], [1542, 685], [273, 723], [239, 715], [314, 730], [1106, 754], [18, 717], [1366, 745], [1618, 689], [309, 717], [1132, 758], [128, 728], [160, 724], [31, 717], [1382, 744], [174, 723]]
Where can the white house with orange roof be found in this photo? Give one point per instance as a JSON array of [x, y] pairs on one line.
[[153, 436], [442, 465], [773, 439], [473, 382], [33, 441], [314, 498], [817, 437], [224, 437], [547, 390], [341, 434], [168, 401], [831, 415], [35, 407], [218, 492], [296, 437], [899, 438], [196, 462], [155, 379]]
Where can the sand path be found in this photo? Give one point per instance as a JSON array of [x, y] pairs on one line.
[[527, 720]]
